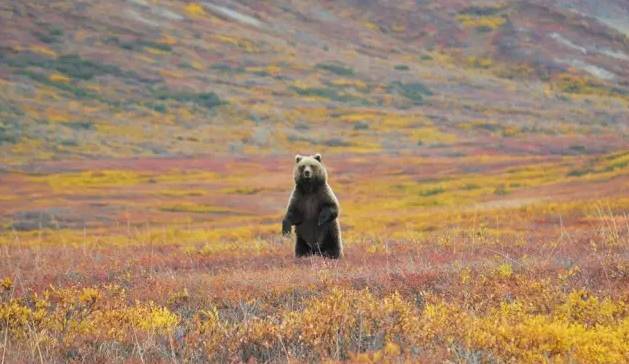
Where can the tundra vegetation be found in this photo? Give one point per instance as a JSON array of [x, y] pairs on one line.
[[146, 154]]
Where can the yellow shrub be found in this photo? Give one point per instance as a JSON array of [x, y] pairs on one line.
[[584, 308], [432, 135], [211, 329], [43, 50], [388, 354], [194, 207], [89, 295], [59, 77], [154, 319], [6, 283], [71, 316], [504, 270], [16, 318], [479, 62], [103, 178], [511, 333], [481, 22], [194, 9], [357, 84], [340, 319]]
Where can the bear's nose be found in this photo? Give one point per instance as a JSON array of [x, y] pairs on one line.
[[307, 173]]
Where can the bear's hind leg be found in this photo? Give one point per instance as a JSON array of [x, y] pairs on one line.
[[331, 246], [302, 249]]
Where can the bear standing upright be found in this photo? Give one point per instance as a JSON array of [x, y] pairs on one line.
[[314, 210]]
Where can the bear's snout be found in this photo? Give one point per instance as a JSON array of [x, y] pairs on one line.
[[307, 173]]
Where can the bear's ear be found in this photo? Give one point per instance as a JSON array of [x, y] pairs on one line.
[[298, 158], [317, 157]]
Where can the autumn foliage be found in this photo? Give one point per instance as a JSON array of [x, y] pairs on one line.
[[478, 149]]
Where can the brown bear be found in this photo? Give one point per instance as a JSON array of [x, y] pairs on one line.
[[314, 210]]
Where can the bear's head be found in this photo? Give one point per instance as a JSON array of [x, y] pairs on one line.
[[309, 171]]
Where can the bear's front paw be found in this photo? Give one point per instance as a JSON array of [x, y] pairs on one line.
[[324, 217], [286, 227]]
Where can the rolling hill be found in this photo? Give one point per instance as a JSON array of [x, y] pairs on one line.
[[93, 80]]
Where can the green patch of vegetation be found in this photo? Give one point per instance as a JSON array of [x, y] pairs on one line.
[[72, 89], [331, 142], [471, 186], [160, 108], [337, 69], [261, 73], [139, 44], [493, 127], [49, 34], [83, 69], [577, 148], [9, 132], [619, 91], [160, 46], [196, 208], [318, 91], [413, 91], [580, 172], [225, 68], [207, 100], [10, 108], [482, 18], [578, 84], [72, 66], [432, 191], [68, 142], [80, 125], [157, 106], [501, 190], [609, 163], [244, 190], [481, 10], [616, 161], [329, 93], [336, 142], [484, 28], [401, 67], [617, 165]]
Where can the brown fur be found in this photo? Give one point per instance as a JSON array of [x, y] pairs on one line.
[[314, 210]]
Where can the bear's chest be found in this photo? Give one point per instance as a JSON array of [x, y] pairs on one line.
[[310, 207]]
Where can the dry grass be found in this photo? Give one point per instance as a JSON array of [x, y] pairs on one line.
[[435, 269]]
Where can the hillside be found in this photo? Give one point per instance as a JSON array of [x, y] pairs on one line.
[[94, 80]]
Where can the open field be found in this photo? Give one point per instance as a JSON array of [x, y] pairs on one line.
[[480, 152], [492, 258]]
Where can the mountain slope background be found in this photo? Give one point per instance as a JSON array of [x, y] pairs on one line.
[[93, 80]]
